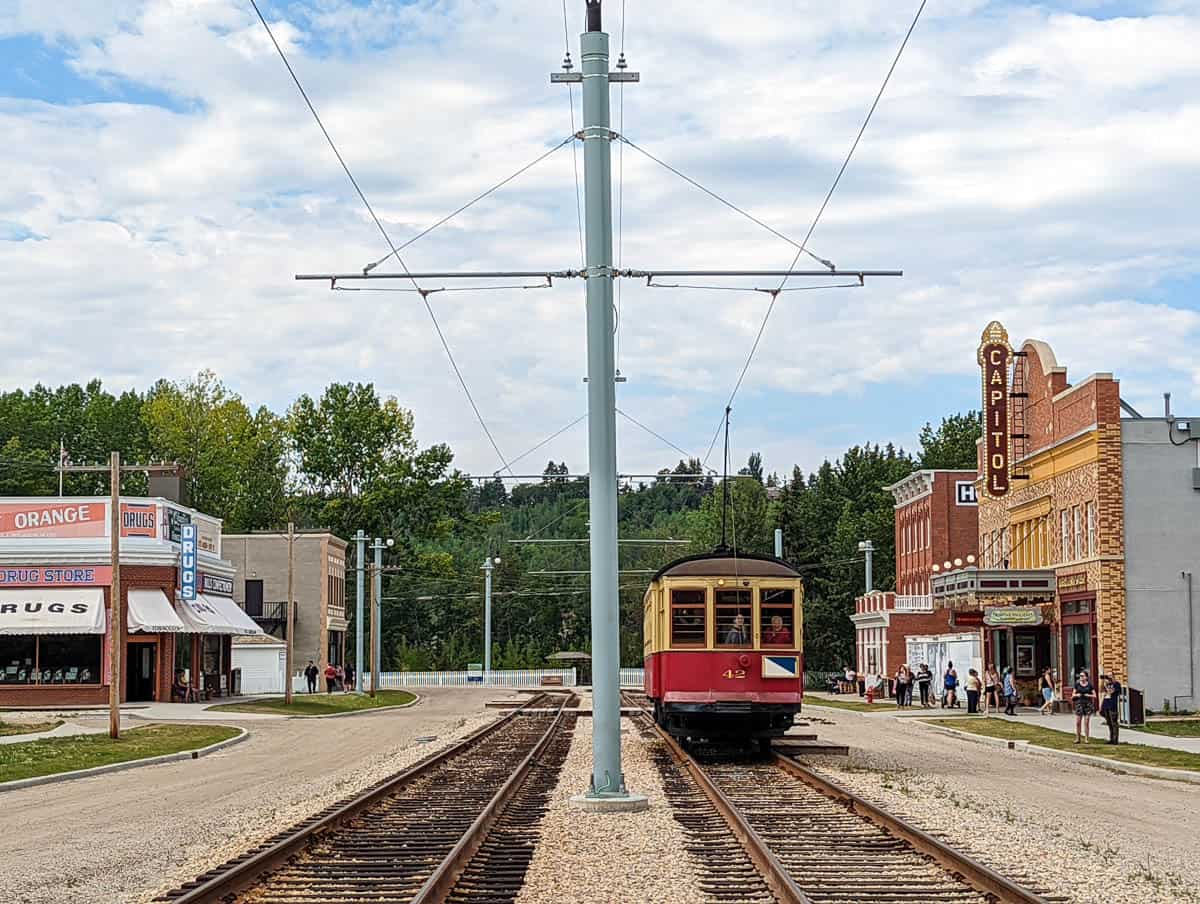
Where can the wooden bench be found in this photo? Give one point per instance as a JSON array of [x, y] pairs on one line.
[[552, 681]]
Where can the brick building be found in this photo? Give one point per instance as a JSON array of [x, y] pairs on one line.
[[1087, 561], [260, 561], [56, 613], [936, 521]]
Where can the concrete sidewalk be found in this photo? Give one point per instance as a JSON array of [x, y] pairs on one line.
[[1065, 722], [66, 730]]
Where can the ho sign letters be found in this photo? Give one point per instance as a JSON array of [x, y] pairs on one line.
[[994, 356]]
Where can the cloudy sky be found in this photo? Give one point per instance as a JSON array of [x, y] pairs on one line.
[[1035, 163]]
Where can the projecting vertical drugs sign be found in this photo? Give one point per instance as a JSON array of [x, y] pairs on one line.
[[994, 356], [187, 561]]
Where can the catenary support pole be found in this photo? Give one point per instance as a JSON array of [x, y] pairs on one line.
[[779, 542], [869, 549], [487, 617], [607, 777], [371, 637], [360, 540], [377, 615], [290, 643], [114, 596]]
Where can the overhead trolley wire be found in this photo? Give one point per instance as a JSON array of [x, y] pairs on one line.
[[554, 435], [803, 247], [382, 231], [574, 148], [658, 436], [450, 216]]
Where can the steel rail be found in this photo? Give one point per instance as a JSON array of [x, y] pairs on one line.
[[246, 871], [776, 875], [439, 885], [981, 877]]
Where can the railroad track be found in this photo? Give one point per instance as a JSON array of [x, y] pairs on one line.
[[461, 826], [808, 839]]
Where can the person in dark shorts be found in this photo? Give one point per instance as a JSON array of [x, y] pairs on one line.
[[1109, 707], [1085, 705], [924, 679]]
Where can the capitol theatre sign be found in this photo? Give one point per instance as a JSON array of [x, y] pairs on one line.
[[994, 356]]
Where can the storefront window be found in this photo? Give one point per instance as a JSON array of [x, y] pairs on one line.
[[183, 652], [69, 658], [18, 656]]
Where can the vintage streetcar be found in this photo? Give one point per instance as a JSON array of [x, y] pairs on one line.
[[724, 648]]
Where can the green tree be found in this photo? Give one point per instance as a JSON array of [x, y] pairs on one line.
[[234, 461], [952, 444]]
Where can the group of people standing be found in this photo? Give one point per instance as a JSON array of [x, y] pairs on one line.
[[336, 677]]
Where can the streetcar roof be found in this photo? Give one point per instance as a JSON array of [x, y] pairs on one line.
[[725, 562]]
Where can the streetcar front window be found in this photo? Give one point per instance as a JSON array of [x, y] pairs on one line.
[[777, 623], [734, 618], [688, 628]]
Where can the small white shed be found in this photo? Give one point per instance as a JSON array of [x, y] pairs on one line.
[[262, 659]]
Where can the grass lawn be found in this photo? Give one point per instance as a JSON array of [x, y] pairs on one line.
[[851, 704], [319, 704], [1176, 728], [52, 755], [1061, 740], [12, 728]]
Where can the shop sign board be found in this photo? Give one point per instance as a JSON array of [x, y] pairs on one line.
[[187, 561], [206, 536], [38, 518], [966, 619], [176, 519], [964, 493], [56, 576], [1069, 583], [994, 357], [215, 584], [475, 671], [139, 519], [1012, 616]]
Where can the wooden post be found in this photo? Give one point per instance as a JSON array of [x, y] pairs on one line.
[[291, 608], [374, 627], [114, 655]]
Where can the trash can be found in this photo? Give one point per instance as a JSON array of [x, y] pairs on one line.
[[235, 682], [1133, 707]]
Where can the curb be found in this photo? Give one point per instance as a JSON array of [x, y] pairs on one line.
[[1179, 775], [232, 714], [120, 767]]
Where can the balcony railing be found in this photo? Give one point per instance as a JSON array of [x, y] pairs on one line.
[[916, 603], [272, 614]]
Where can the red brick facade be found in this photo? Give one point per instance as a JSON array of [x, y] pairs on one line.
[[133, 577]]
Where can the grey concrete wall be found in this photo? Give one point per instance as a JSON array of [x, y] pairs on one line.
[[1162, 540], [264, 557]]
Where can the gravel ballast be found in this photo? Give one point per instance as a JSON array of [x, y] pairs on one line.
[[123, 838], [593, 858], [1074, 830]]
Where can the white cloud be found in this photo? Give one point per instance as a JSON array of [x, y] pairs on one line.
[[1026, 164]]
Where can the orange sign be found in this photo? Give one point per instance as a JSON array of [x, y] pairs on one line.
[[56, 576], [139, 519], [53, 519], [994, 356]]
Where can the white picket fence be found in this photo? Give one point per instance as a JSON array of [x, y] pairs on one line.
[[633, 677]]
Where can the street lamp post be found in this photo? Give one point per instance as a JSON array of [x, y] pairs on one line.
[[868, 549], [488, 564]]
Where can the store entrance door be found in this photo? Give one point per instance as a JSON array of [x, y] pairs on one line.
[[139, 670]]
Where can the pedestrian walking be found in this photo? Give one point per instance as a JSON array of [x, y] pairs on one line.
[[330, 678], [924, 679], [1047, 685], [349, 683], [950, 686], [310, 676], [1085, 704], [974, 686], [901, 685], [1010, 693], [991, 690], [1109, 707]]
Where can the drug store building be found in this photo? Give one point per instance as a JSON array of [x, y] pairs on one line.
[[1089, 532], [56, 615]]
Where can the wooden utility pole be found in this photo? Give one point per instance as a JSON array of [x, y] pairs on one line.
[[291, 609], [117, 624]]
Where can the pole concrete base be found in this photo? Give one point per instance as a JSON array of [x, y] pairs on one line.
[[627, 803]]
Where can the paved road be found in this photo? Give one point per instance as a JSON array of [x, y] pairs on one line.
[[122, 837]]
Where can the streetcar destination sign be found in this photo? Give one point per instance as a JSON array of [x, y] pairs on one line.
[[994, 356]]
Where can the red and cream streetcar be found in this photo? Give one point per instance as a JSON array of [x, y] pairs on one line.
[[724, 647]]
